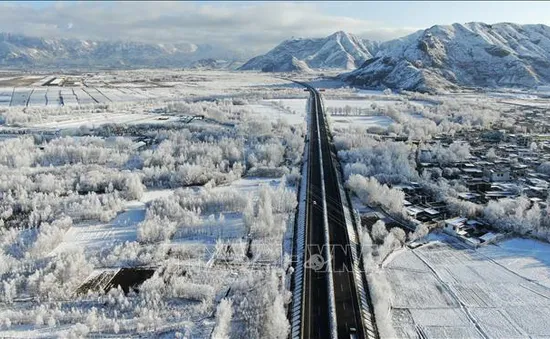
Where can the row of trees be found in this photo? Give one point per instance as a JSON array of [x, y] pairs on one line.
[[457, 151], [388, 162], [371, 192]]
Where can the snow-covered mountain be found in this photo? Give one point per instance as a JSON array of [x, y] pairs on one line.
[[23, 51], [211, 64], [340, 51], [472, 54]]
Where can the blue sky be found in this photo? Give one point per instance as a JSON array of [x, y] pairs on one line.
[[252, 26], [428, 13]]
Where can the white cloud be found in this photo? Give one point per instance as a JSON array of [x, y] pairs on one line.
[[251, 27]]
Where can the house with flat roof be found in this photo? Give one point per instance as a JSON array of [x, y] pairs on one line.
[[455, 225], [497, 174]]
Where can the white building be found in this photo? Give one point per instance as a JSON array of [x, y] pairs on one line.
[[495, 175], [455, 225]]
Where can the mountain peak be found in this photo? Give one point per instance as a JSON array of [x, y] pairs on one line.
[[339, 34], [339, 50], [470, 54]]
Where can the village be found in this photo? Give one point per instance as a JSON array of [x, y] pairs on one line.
[[503, 163]]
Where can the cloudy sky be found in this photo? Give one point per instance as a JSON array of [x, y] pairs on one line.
[[251, 26]]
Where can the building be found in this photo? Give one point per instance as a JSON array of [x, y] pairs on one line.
[[455, 226], [496, 175]]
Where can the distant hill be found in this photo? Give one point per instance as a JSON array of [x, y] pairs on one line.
[[210, 64], [20, 51], [338, 51]]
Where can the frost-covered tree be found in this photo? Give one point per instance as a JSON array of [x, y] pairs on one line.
[[370, 191], [465, 208], [379, 231], [60, 277], [259, 303], [420, 232], [249, 215], [388, 162], [390, 244], [491, 154], [155, 228], [133, 187], [517, 215], [224, 313], [456, 152], [276, 324], [49, 236], [399, 234], [265, 222]]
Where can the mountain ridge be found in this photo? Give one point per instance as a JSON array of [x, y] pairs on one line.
[[473, 54], [339, 50], [17, 51], [449, 56]]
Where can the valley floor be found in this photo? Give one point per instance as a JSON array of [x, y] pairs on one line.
[[128, 181]]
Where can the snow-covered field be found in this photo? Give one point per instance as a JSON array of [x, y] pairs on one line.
[[122, 228], [358, 112], [363, 103], [97, 119], [106, 182], [363, 121], [131, 87], [526, 257], [54, 96], [445, 289], [291, 110]]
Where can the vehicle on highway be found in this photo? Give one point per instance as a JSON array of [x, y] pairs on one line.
[[352, 333]]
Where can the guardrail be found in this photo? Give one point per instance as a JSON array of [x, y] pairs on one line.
[[299, 250]]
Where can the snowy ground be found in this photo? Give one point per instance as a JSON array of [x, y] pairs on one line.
[[291, 110], [526, 257], [123, 227], [135, 86], [97, 119], [43, 266], [358, 112], [445, 289], [364, 103], [70, 96], [103, 235], [364, 121]]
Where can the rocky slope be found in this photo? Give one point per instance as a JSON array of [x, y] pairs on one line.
[[338, 51], [23, 51], [473, 54]]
